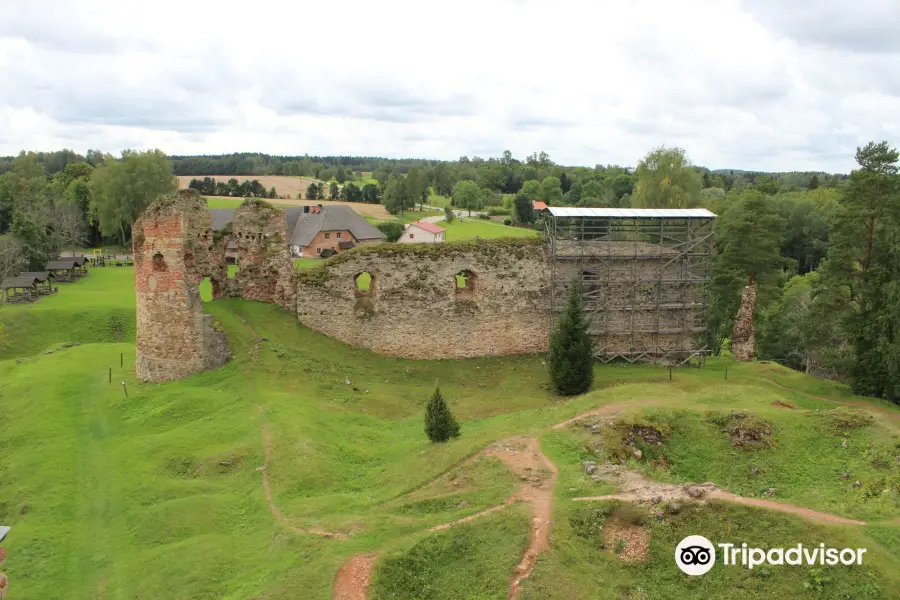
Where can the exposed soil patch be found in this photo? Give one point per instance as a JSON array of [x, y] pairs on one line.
[[840, 420], [524, 458], [353, 578], [747, 431], [629, 541], [666, 497], [781, 404]]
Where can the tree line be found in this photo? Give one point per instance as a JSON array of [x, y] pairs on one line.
[[81, 204], [244, 189]]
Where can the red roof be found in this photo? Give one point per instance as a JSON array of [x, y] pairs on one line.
[[429, 227], [538, 205]]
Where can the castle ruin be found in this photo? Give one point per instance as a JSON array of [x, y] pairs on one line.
[[642, 274]]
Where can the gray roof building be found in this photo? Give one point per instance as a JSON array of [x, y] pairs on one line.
[[305, 222]]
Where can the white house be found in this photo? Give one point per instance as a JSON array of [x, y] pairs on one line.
[[422, 232]]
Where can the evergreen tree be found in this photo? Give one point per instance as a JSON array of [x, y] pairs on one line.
[[572, 350], [863, 267], [440, 424]]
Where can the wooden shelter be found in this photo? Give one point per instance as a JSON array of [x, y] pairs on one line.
[[80, 262], [43, 281], [62, 270], [19, 289]]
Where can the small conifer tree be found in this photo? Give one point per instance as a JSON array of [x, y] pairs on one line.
[[440, 424], [572, 350]]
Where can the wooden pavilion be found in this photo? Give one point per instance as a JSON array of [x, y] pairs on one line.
[[19, 289], [43, 281]]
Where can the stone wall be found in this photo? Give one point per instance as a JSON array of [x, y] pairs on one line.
[[257, 237], [415, 308], [171, 244], [743, 336]]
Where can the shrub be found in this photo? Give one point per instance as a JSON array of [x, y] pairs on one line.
[[572, 350], [484, 216], [440, 424], [507, 221], [498, 211], [449, 215], [392, 229]]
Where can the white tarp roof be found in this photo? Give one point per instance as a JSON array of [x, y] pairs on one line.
[[3, 532], [632, 213]]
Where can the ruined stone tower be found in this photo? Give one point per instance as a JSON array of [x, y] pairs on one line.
[[171, 257], [256, 238]]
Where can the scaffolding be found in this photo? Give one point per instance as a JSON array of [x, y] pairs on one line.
[[644, 278]]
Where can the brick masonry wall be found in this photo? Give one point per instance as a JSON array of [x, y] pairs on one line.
[[171, 256], [414, 308]]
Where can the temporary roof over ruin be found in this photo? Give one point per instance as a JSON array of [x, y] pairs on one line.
[[632, 213], [333, 218], [3, 531], [539, 205]]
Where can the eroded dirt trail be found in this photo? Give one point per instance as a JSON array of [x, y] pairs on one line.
[[353, 578], [634, 487]]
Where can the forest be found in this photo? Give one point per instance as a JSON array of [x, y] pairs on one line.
[[822, 250]]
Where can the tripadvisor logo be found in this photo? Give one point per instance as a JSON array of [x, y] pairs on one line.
[[696, 555]]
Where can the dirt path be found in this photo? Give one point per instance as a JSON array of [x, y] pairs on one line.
[[634, 487], [890, 414], [353, 578], [264, 469], [508, 502]]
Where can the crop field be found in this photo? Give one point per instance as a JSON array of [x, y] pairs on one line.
[[303, 462]]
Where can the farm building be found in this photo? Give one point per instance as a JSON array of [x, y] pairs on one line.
[[422, 232], [314, 231], [643, 275]]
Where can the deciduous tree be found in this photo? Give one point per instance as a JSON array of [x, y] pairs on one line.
[[666, 179]]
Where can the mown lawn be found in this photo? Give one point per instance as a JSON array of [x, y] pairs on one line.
[[469, 229], [157, 494]]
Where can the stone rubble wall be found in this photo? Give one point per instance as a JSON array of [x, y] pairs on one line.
[[266, 271], [414, 308], [171, 257], [743, 337]]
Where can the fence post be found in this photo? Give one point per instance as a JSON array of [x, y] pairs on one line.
[[670, 372], [110, 374], [121, 359], [726, 371]]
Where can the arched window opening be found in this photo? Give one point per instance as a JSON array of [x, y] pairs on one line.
[[365, 284], [465, 283]]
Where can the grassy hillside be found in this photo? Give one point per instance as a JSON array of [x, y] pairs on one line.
[[160, 493]]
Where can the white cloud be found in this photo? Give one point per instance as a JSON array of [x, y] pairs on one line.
[[738, 84]]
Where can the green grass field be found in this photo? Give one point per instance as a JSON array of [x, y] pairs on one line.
[[158, 494], [469, 229]]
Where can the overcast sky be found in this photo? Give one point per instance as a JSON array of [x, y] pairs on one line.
[[752, 84]]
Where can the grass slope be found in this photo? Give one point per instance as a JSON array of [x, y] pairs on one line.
[[469, 229], [157, 494]]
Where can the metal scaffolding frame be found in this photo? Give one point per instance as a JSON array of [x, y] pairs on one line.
[[644, 277]]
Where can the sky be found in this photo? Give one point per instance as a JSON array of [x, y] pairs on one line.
[[747, 84]]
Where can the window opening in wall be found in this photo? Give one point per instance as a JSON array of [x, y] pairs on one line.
[[465, 283], [327, 236], [338, 234], [365, 283]]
